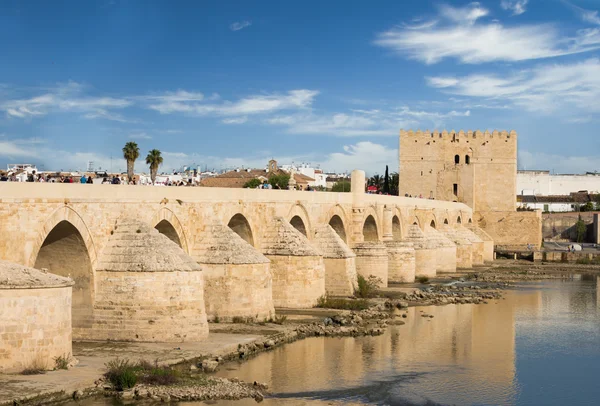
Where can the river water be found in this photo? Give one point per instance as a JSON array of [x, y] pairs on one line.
[[538, 346]]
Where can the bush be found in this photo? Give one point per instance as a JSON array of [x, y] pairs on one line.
[[279, 181], [252, 184], [367, 287], [62, 361], [160, 376], [326, 302], [423, 279], [341, 186], [121, 374]]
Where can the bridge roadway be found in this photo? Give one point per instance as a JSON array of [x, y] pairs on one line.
[[257, 249]]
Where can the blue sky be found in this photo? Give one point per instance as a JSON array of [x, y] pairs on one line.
[[233, 83]]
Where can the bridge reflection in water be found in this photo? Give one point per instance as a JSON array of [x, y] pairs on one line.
[[465, 355]]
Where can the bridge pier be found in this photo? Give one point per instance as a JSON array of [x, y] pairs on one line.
[[339, 261], [488, 242], [297, 267], [148, 289], [372, 260], [446, 250], [425, 252], [464, 248], [401, 261], [237, 278]]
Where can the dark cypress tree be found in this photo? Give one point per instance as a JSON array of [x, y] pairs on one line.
[[386, 182]]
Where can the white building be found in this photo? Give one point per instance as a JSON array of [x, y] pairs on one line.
[[542, 183], [320, 179]]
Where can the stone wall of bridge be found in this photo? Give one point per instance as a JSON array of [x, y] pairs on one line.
[[236, 232]]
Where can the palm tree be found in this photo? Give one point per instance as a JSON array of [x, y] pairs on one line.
[[376, 180], [154, 160], [131, 152]]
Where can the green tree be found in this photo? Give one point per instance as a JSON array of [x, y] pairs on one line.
[[252, 183], [131, 152], [279, 181], [394, 183], [581, 229], [154, 159], [589, 206], [341, 186], [386, 182], [376, 180]]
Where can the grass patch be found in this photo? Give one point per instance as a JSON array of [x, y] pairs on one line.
[[423, 279], [367, 287], [160, 376], [326, 302], [62, 361], [37, 367], [587, 261], [216, 319], [121, 373]]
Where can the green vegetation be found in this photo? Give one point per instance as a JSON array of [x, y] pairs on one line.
[[154, 159], [423, 279], [326, 302], [131, 152], [62, 361], [252, 184], [367, 287], [589, 206], [586, 261], [121, 374], [279, 181], [124, 374], [216, 319], [277, 320], [341, 186], [581, 229]]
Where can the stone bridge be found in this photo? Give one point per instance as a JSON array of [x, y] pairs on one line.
[[256, 249]]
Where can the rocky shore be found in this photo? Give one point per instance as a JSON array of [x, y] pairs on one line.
[[195, 388]]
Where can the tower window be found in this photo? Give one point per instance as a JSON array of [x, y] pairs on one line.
[[467, 159], [455, 189], [457, 159]]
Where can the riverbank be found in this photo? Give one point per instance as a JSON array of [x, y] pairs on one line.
[[240, 341]]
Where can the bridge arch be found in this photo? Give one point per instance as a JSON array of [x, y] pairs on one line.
[[370, 232], [396, 228], [300, 220], [338, 221], [65, 247], [240, 225], [167, 223], [459, 219]]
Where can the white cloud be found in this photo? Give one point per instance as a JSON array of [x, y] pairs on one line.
[[558, 163], [546, 88], [140, 136], [368, 156], [468, 14], [16, 149], [374, 122], [588, 16], [67, 97], [235, 120], [256, 104], [516, 6], [240, 25], [462, 36]]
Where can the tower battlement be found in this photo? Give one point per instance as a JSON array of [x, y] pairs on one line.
[[503, 134]]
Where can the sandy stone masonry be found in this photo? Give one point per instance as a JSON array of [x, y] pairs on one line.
[[148, 289], [478, 168], [149, 263], [297, 266], [237, 278], [35, 318]]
